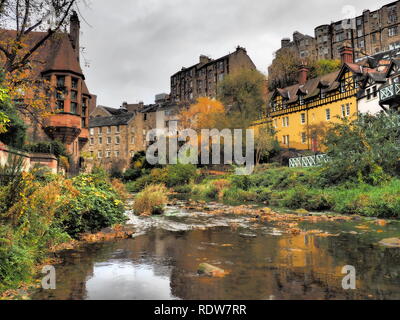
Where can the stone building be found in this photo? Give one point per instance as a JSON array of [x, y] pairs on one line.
[[116, 135], [369, 33], [302, 45], [201, 79], [57, 61]]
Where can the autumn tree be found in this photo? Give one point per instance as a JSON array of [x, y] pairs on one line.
[[243, 95], [19, 49], [285, 68], [206, 113], [25, 17], [266, 144]]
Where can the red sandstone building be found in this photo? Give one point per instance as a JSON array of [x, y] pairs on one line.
[[70, 104]]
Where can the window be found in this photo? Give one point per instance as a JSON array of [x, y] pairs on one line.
[[342, 86], [117, 140], [108, 154], [74, 83], [99, 154], [374, 91], [286, 140], [145, 117], [275, 123], [117, 154], [60, 81], [100, 130], [60, 105], [392, 31], [285, 122], [132, 140], [301, 99], [100, 140], [92, 141], [91, 131], [368, 94], [348, 110], [74, 95], [108, 140], [328, 114], [108, 130], [303, 118], [303, 138], [74, 107], [132, 154]]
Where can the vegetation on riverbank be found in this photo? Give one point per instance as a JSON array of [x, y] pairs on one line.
[[40, 211]]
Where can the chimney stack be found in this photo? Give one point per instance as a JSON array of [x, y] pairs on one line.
[[303, 74], [347, 54], [74, 32]]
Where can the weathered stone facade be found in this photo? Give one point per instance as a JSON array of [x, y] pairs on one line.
[[201, 79], [369, 33]]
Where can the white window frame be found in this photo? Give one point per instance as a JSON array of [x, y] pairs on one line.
[[328, 114]]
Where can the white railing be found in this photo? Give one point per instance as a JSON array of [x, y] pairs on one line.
[[307, 162], [389, 91]]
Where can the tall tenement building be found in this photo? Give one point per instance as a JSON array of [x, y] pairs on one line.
[[369, 33], [202, 78]]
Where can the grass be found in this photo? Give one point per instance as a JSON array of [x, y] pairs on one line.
[[151, 200]]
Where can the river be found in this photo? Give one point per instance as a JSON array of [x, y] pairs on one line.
[[261, 261]]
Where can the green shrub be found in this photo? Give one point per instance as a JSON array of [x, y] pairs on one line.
[[183, 189], [97, 205], [180, 174], [301, 197], [140, 184], [151, 200]]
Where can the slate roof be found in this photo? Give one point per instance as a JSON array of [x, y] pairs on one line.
[[116, 120]]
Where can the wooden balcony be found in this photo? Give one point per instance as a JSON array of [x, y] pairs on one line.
[[390, 94]]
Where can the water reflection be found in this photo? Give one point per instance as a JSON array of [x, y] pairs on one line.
[[262, 264]]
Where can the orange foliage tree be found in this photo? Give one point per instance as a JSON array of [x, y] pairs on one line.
[[205, 114]]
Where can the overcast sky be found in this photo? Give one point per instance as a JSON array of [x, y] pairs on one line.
[[134, 46]]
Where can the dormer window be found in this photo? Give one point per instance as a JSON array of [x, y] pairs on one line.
[[342, 86], [322, 94], [301, 99]]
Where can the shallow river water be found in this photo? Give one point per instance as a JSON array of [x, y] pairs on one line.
[[261, 261]]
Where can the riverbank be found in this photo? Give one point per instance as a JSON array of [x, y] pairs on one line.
[[41, 212], [297, 189]]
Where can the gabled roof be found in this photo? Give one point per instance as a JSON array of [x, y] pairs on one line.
[[311, 88], [395, 62]]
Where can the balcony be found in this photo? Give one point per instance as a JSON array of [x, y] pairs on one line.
[[64, 127], [390, 94]]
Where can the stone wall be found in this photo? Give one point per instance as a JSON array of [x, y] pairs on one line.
[[30, 160]]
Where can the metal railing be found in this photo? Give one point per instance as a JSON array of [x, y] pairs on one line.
[[309, 161]]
